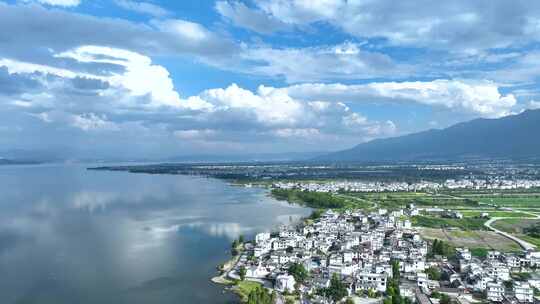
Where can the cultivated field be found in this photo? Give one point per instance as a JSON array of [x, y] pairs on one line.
[[471, 239]]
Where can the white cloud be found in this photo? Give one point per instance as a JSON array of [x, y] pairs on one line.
[[91, 122], [140, 77], [194, 134], [241, 15], [142, 94], [64, 3], [460, 26], [480, 98], [343, 61], [534, 105], [305, 133], [143, 8]]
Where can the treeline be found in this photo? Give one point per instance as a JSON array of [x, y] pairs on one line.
[[533, 231], [393, 295], [319, 200], [261, 295], [439, 247]]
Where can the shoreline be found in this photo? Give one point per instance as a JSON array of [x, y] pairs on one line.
[[223, 277]]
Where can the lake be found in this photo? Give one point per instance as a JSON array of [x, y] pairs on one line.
[[69, 235]]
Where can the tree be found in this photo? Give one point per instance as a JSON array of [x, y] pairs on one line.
[[349, 301], [298, 271], [260, 295], [433, 273], [242, 272], [395, 270], [241, 239], [445, 299], [337, 290], [234, 248]]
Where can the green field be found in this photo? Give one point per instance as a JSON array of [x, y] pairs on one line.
[[438, 222], [399, 200], [509, 200], [516, 227], [493, 213], [478, 241]]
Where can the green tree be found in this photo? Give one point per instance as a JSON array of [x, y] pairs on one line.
[[445, 299], [242, 272], [395, 270], [337, 289], [298, 271], [433, 273], [260, 295], [349, 301]]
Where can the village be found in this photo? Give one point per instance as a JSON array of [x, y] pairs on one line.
[[379, 257], [497, 183]]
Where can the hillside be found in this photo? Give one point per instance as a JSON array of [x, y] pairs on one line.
[[514, 137]]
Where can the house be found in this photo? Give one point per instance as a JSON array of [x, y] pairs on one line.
[[495, 291], [284, 282], [523, 292], [262, 237], [464, 253], [370, 280], [257, 271]]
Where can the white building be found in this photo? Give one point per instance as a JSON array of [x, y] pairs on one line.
[[523, 292], [368, 280], [285, 282], [495, 292], [262, 237]]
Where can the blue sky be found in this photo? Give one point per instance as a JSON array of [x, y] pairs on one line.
[[162, 78]]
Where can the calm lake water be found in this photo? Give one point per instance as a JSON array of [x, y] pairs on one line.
[[68, 235]]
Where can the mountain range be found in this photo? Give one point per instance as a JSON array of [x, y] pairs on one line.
[[510, 137]]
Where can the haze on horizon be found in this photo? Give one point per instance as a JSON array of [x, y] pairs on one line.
[[160, 78]]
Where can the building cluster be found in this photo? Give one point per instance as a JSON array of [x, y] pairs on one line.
[[361, 249], [492, 276], [362, 186]]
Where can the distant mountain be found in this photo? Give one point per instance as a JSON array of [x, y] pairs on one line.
[[255, 157], [4, 161], [512, 137], [28, 156]]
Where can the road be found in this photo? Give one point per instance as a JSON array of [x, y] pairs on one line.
[[525, 245]]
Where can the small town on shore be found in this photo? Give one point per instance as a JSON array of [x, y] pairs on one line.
[[496, 183], [356, 256]]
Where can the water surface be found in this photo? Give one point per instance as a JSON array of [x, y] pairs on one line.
[[68, 235]]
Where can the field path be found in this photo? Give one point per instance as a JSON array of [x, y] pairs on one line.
[[525, 245]]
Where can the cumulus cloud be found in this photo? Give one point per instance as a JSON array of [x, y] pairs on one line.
[[143, 8], [343, 61], [241, 15], [181, 38], [459, 25], [64, 3], [67, 30], [140, 97], [480, 98], [534, 105]]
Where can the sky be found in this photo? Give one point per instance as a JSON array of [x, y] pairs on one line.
[[125, 78]]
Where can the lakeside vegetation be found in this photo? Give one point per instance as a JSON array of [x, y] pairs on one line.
[[317, 200]]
